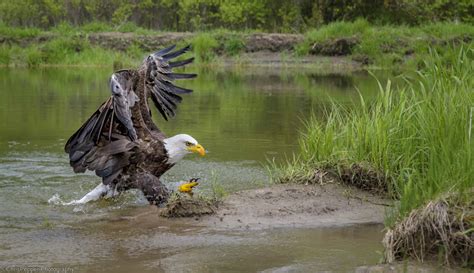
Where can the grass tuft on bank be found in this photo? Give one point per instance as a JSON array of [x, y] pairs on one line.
[[415, 141], [442, 228]]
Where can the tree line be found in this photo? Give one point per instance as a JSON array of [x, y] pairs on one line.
[[196, 15]]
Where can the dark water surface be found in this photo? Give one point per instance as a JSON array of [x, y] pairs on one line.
[[243, 117]]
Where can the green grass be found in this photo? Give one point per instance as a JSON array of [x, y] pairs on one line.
[[5, 55], [419, 135], [388, 45], [16, 33], [131, 27], [234, 45], [204, 45], [96, 27]]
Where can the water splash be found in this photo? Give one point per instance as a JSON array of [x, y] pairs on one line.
[[56, 200]]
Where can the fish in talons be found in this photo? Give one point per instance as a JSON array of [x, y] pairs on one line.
[[187, 187]]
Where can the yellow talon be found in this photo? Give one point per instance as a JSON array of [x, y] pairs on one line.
[[188, 186]]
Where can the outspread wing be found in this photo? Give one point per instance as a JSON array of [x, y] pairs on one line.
[[159, 79], [105, 142]]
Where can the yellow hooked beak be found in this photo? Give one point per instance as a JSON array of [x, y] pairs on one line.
[[197, 149]]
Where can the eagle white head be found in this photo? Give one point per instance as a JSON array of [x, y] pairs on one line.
[[180, 145]]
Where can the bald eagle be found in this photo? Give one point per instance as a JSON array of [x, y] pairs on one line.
[[120, 141]]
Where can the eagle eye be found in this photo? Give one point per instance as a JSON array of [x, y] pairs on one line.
[[188, 143]]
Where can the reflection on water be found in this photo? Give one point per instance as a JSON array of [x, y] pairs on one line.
[[237, 115], [243, 117]]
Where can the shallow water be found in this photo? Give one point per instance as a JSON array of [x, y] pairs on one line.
[[242, 117]]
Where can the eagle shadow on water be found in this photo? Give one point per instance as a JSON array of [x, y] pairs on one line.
[[120, 141]]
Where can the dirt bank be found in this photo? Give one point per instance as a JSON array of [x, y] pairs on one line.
[[272, 42], [289, 205], [285, 205]]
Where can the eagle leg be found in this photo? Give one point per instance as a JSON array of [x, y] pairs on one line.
[[95, 194], [155, 192]]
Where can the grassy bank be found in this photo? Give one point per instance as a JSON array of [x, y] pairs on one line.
[[388, 46], [415, 143], [370, 45]]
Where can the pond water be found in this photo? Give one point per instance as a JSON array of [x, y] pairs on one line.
[[243, 117]]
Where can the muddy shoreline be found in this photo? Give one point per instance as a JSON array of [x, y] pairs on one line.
[[283, 206], [288, 205]]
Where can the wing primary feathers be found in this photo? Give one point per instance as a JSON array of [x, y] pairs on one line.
[[96, 121], [177, 76], [88, 130], [168, 107], [176, 53], [102, 123], [164, 51], [173, 98], [159, 107], [85, 128], [175, 89], [181, 63], [159, 79]]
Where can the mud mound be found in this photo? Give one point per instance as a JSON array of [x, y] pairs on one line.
[[442, 229], [335, 47], [364, 177], [188, 207], [122, 41], [272, 42]]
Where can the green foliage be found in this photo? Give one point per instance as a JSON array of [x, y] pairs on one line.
[[418, 135], [58, 49], [204, 45], [389, 45], [393, 11], [64, 28], [135, 51], [5, 55], [122, 13], [96, 26], [338, 29], [233, 45], [6, 31], [33, 56], [127, 27], [200, 15]]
